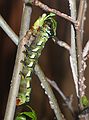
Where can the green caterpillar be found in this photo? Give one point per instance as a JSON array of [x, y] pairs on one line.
[[43, 29]]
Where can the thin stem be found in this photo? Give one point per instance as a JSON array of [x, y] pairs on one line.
[[48, 9], [68, 101], [8, 30], [26, 17], [11, 104], [83, 20], [49, 92], [79, 39], [61, 43], [73, 60]]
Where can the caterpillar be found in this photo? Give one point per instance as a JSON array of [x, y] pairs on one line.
[[43, 29]]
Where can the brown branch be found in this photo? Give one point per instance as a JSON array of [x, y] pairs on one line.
[[73, 63], [61, 43], [86, 51], [52, 100], [48, 9], [8, 30], [77, 49], [79, 39]]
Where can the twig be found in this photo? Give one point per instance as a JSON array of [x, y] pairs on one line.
[[8, 30], [79, 39], [49, 92], [83, 20], [11, 104], [48, 9], [73, 60], [61, 43], [25, 23], [68, 101]]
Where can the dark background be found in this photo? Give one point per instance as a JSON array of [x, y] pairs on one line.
[[54, 60]]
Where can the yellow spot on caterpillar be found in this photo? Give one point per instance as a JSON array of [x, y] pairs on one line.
[[31, 64], [40, 43], [32, 56], [36, 49], [29, 73]]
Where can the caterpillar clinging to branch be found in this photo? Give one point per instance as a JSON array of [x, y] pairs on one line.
[[43, 29]]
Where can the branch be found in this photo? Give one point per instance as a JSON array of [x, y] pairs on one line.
[[11, 104], [25, 23], [79, 39], [68, 100], [48, 9], [61, 43], [73, 59], [49, 92], [86, 51], [8, 30]]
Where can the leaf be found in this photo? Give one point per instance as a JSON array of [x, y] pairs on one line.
[[20, 117], [31, 114], [85, 101]]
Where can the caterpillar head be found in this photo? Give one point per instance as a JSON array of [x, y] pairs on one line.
[[21, 99]]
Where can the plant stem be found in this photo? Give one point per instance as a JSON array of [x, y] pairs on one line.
[[73, 60], [11, 104], [61, 43], [79, 39], [48, 9], [68, 100], [25, 23], [49, 92], [8, 30]]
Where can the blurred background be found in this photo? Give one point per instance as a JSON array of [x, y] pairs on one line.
[[54, 60]]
